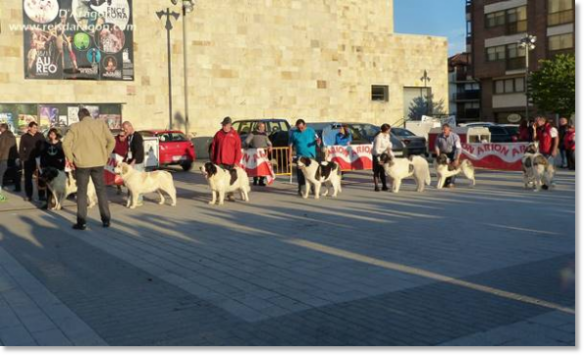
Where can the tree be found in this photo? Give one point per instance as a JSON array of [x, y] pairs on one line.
[[425, 106], [553, 86]]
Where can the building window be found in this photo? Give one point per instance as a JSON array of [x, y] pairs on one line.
[[380, 93], [495, 19], [560, 12], [497, 53], [510, 85], [514, 19], [472, 105], [561, 42], [517, 20]]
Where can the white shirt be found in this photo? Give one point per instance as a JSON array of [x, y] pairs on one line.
[[382, 145], [553, 132]]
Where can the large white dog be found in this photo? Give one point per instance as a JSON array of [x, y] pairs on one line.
[[63, 185], [223, 181], [399, 169], [445, 169], [537, 170], [139, 183], [317, 174]]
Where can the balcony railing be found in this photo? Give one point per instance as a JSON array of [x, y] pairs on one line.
[[515, 63], [467, 95], [559, 18], [468, 114]]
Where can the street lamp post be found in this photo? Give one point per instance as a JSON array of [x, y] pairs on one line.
[[186, 7], [528, 44], [169, 26]]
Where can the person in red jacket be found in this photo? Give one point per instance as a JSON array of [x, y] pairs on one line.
[[570, 146], [548, 138], [226, 148]]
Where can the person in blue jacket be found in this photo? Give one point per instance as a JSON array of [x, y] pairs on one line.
[[344, 137]]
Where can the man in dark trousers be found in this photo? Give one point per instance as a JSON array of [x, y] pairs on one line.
[[8, 153], [31, 146], [88, 145], [226, 148], [135, 155]]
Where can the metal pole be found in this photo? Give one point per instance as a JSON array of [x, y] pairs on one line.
[[185, 76], [527, 82], [170, 80]]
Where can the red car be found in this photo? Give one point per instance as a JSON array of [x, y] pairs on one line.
[[174, 148]]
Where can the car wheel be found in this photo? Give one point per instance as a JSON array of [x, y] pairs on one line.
[[187, 165]]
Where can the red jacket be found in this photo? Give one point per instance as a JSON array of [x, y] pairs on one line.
[[524, 134], [121, 147], [545, 139], [226, 148], [570, 139]]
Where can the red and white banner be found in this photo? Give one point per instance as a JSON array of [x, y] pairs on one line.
[[495, 156], [110, 177], [256, 163], [351, 158]]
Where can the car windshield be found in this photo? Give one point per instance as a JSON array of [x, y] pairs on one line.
[[172, 137], [497, 130], [402, 132], [272, 126]]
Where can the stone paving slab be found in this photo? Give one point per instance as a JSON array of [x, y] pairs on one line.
[[442, 267]]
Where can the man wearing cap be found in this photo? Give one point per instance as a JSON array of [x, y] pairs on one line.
[[226, 148]]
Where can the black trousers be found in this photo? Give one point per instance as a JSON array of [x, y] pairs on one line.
[[450, 180], [29, 169], [83, 177], [3, 168], [571, 157]]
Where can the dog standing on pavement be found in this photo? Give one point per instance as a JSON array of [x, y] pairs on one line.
[[399, 169], [317, 174], [537, 170], [139, 183], [445, 169], [63, 185], [224, 182]]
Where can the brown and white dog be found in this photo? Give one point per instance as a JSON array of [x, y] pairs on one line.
[[224, 181], [63, 185], [317, 174], [399, 169], [537, 170], [445, 169], [139, 183]]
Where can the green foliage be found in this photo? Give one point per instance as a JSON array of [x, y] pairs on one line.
[[425, 106], [553, 86]]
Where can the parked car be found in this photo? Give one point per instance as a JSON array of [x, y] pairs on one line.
[[513, 130], [174, 148], [362, 133], [416, 145], [277, 129], [482, 124]]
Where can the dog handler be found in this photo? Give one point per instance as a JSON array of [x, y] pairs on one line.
[[382, 145], [88, 145], [305, 142], [449, 143]]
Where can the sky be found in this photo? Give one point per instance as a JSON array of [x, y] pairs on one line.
[[433, 17]]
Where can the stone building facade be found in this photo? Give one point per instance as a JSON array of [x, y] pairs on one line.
[[288, 59]]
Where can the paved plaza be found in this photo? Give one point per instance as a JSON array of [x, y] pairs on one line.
[[493, 265]]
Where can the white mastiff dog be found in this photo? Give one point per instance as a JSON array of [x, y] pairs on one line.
[[316, 174], [446, 169], [139, 183], [400, 169], [223, 181]]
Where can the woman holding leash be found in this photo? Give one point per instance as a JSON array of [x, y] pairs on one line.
[[382, 145], [52, 156]]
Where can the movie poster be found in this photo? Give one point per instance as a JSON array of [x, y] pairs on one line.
[[114, 121], [49, 115], [23, 122], [78, 39], [8, 118]]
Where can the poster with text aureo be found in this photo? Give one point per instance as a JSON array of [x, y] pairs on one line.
[[78, 39]]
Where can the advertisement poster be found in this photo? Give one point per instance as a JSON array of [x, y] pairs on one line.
[[351, 158], [50, 116], [256, 163], [114, 121], [72, 115], [78, 39], [495, 156], [7, 118], [23, 121]]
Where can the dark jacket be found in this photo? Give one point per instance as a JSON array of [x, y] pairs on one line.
[[563, 129], [53, 156], [136, 148], [8, 146], [31, 146]]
